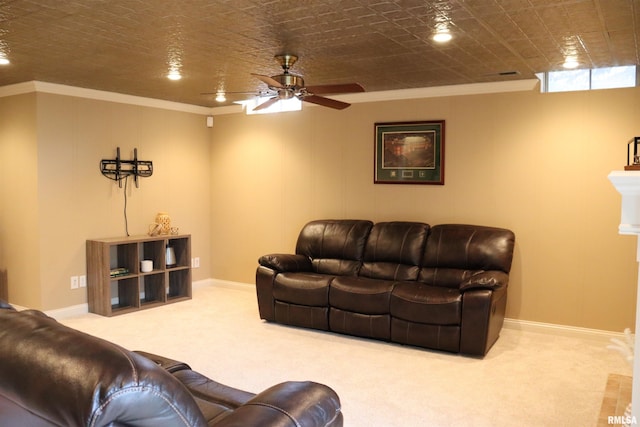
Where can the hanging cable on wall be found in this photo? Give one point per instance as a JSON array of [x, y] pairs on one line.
[[126, 220], [118, 170]]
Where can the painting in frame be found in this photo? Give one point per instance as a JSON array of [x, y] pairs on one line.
[[409, 153]]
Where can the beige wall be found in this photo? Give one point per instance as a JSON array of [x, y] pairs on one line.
[[59, 198], [534, 163], [19, 233]]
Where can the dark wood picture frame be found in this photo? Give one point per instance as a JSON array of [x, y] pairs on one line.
[[409, 153]]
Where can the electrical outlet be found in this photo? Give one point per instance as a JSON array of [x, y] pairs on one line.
[[74, 282], [83, 281]]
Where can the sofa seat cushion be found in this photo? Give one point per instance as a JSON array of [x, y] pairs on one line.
[[309, 289], [446, 277], [361, 294], [422, 303]]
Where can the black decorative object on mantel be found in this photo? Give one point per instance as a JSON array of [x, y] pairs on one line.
[[633, 157], [118, 169]]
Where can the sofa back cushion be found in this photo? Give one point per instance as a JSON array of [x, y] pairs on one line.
[[334, 246], [454, 252], [394, 250]]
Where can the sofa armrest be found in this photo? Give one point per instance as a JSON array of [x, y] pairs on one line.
[[292, 403], [167, 364], [485, 280], [286, 262]]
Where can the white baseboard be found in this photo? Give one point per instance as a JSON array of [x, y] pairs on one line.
[[514, 324], [561, 330], [66, 312], [80, 309], [234, 285], [203, 283]]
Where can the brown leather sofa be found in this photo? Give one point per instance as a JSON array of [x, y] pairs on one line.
[[442, 287], [52, 375]]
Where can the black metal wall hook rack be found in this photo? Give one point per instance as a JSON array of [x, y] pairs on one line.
[[118, 169]]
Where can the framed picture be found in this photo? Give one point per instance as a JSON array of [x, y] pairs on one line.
[[409, 153]]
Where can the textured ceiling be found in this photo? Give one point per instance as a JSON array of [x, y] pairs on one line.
[[128, 46]]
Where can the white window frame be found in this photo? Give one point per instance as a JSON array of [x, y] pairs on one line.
[[544, 80]]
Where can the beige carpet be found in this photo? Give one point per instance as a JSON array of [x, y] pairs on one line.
[[527, 379]]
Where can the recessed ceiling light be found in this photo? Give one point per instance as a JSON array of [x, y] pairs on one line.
[[442, 36], [570, 62], [4, 60], [220, 97], [174, 75]]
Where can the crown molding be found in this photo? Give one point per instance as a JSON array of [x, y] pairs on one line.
[[354, 98], [100, 95], [17, 89], [440, 91]]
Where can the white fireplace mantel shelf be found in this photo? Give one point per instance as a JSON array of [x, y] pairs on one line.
[[628, 184]]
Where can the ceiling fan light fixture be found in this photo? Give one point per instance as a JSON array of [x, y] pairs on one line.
[[220, 97], [284, 94], [4, 60]]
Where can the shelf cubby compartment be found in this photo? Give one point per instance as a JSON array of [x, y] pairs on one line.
[[124, 256], [179, 285], [153, 250], [152, 288], [124, 294], [181, 247]]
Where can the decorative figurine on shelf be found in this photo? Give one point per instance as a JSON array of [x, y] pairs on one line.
[[164, 220], [154, 229], [633, 157], [162, 225]]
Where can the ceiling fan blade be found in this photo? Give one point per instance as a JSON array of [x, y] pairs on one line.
[[340, 88], [326, 102], [268, 80], [267, 103]]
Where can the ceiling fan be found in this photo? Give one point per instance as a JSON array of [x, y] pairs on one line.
[[286, 86]]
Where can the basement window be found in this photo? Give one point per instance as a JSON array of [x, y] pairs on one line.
[[588, 79], [283, 105]]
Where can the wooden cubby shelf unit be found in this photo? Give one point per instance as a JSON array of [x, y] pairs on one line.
[[116, 284]]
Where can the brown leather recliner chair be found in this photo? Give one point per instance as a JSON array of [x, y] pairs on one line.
[[52, 375]]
